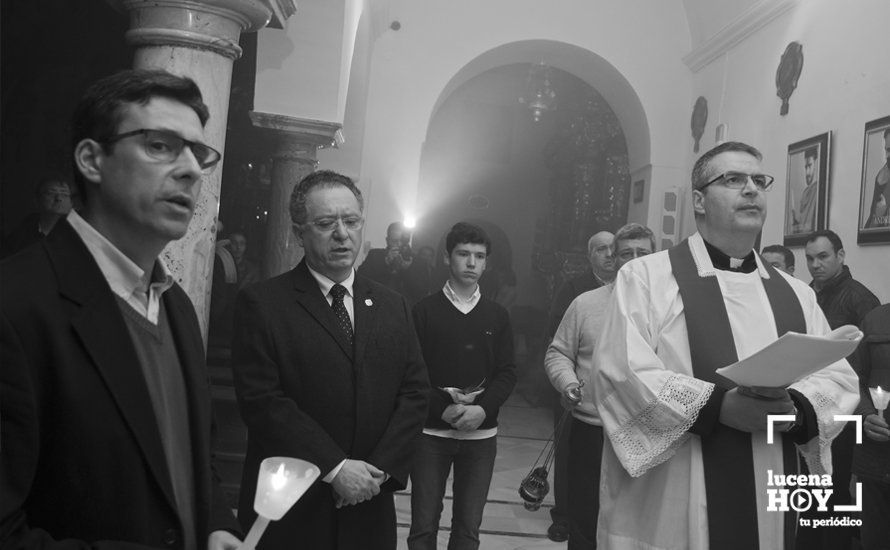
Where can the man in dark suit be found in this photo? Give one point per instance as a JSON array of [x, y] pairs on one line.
[[103, 391], [328, 369]]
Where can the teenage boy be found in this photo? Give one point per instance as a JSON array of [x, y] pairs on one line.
[[467, 344]]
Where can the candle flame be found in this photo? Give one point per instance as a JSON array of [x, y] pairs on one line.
[[279, 478]]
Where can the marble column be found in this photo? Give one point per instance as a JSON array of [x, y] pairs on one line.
[[198, 39], [293, 143]]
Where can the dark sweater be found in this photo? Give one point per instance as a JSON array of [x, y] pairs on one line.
[[159, 359], [461, 349]]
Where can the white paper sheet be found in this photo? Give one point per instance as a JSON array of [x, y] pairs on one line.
[[792, 357]]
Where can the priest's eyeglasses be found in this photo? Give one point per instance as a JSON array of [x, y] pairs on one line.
[[167, 146], [326, 225], [738, 180]]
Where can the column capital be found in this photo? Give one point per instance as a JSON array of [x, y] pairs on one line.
[[298, 137], [213, 25], [281, 11]]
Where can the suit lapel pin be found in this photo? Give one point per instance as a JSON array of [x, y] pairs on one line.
[[368, 302]]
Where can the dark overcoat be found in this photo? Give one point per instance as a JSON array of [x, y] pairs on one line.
[[304, 392], [81, 458]]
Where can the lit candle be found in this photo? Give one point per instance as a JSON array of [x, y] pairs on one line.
[[281, 483], [880, 398]]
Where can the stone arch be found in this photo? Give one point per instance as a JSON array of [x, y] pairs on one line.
[[583, 63]]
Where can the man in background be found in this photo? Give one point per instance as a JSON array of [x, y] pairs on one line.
[[779, 257], [248, 272], [844, 301], [569, 365], [602, 271], [394, 266], [53, 197]]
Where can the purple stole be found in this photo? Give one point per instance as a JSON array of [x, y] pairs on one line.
[[727, 452]]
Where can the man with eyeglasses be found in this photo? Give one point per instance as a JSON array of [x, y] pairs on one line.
[[686, 462], [569, 365], [106, 421], [53, 200], [327, 368]]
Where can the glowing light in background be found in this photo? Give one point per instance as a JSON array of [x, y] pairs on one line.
[[410, 221]]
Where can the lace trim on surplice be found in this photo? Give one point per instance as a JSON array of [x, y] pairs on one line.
[[654, 435]]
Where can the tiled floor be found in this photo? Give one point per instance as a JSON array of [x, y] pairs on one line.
[[506, 525]]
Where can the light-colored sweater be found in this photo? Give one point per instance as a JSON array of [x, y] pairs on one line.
[[569, 358]]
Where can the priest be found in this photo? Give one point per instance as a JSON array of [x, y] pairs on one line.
[[686, 459]]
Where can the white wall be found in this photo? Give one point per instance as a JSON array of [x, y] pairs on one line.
[[347, 158], [845, 83], [643, 40], [303, 70]]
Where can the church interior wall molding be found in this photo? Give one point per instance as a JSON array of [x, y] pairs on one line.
[[750, 21]]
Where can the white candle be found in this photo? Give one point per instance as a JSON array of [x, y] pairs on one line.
[[281, 483], [880, 398]]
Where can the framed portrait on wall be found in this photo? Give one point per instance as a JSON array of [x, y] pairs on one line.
[[806, 188], [874, 201]]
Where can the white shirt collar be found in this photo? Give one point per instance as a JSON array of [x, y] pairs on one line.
[[464, 305], [326, 284], [123, 275]]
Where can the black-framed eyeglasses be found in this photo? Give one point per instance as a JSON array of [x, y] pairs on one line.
[[167, 146], [738, 180], [326, 225]]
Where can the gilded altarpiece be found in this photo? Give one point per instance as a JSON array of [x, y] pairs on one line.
[[588, 190]]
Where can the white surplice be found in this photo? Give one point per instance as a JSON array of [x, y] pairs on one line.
[[653, 485]]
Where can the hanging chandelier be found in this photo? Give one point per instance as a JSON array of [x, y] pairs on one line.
[[539, 95]]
